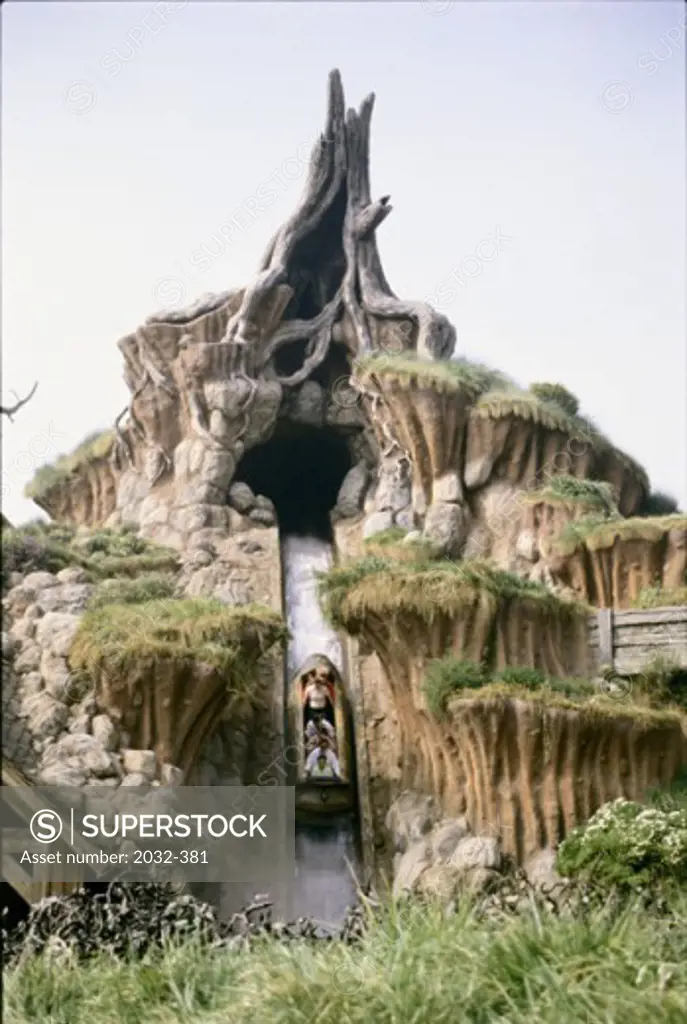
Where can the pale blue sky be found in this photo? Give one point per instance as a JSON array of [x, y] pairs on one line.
[[130, 138]]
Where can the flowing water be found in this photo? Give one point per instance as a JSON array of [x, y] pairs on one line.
[[326, 853]]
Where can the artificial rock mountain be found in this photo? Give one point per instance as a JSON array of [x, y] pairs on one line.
[[315, 400]]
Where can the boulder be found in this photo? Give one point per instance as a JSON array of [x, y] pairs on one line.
[[55, 673], [410, 817], [105, 732], [476, 852], [67, 597], [28, 659], [140, 762], [48, 717], [262, 516], [72, 574], [352, 491], [411, 865], [170, 775], [446, 526], [377, 522], [241, 497]]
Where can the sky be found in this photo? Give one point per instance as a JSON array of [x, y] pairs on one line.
[[534, 153]]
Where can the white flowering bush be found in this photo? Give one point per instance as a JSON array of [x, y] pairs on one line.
[[628, 845]]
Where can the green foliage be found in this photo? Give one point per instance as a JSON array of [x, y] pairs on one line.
[[449, 676], [103, 553], [657, 597], [597, 531], [116, 638], [415, 965], [558, 395], [446, 676], [453, 374], [662, 681], [387, 538], [593, 493], [97, 444], [149, 586], [517, 675], [628, 846], [659, 504], [426, 587], [33, 548], [672, 798]]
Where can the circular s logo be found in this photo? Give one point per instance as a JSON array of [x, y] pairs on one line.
[[46, 826]]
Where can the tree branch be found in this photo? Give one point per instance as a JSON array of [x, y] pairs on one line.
[[9, 411]]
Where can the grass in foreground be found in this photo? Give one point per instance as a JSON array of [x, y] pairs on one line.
[[414, 967]]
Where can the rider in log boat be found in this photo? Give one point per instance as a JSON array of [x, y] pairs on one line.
[[319, 718]]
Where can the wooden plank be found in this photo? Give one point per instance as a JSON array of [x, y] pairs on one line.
[[604, 618], [651, 616], [649, 640]]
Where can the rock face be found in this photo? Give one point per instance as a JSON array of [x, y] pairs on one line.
[[611, 565], [152, 724], [520, 771], [52, 738], [87, 496], [439, 857]]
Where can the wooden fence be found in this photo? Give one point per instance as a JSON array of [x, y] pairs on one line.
[[629, 641]]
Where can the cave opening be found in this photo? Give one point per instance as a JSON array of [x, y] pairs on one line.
[[301, 469]]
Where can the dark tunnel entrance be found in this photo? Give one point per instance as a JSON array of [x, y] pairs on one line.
[[301, 469]]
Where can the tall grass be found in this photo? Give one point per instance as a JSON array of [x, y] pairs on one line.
[[415, 967]]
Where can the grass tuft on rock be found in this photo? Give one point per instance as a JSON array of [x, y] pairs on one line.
[[392, 544], [150, 586], [96, 445], [557, 395], [118, 638], [596, 531], [444, 375], [450, 677], [593, 494], [102, 553], [427, 588]]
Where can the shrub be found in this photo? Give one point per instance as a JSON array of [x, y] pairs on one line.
[[657, 597], [448, 675], [33, 549], [517, 675], [594, 493], [628, 846], [103, 553], [150, 586], [558, 395], [663, 682], [658, 504], [674, 797]]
